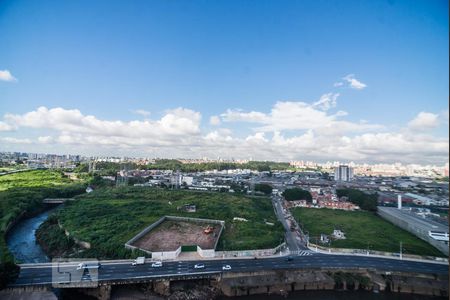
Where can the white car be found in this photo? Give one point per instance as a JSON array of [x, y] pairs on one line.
[[82, 266], [156, 264], [226, 267], [199, 266]]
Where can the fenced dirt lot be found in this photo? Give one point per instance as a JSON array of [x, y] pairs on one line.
[[170, 235]]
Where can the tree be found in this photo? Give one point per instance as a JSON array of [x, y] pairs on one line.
[[363, 200], [264, 188], [297, 194]]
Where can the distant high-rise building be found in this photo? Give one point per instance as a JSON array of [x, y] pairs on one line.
[[343, 173]]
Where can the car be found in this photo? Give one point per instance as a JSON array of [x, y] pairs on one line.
[[199, 266], [156, 264], [226, 267], [82, 266], [290, 258]]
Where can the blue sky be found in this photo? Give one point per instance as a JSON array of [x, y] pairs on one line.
[[256, 67]]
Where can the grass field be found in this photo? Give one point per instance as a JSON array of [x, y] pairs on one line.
[[34, 178], [363, 230], [109, 217]]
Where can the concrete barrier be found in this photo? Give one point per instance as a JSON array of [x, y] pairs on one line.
[[166, 255], [413, 228], [362, 252], [206, 252], [251, 253]]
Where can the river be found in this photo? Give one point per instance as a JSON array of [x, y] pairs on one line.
[[21, 239], [335, 295]]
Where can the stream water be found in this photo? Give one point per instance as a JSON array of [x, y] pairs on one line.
[[21, 239]]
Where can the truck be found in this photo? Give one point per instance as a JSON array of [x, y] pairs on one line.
[[138, 261]]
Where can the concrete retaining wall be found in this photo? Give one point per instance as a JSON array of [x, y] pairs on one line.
[[166, 254], [250, 253], [416, 230]]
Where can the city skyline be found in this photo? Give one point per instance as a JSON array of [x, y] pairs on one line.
[[320, 81]]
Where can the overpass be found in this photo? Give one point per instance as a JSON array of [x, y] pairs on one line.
[[56, 200], [122, 272]]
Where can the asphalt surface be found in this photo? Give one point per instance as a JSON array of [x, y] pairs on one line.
[[414, 220], [46, 274], [292, 242]]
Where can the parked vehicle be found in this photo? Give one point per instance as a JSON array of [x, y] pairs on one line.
[[138, 261]]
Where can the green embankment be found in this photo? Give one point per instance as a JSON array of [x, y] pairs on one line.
[[363, 230], [22, 193], [109, 217]]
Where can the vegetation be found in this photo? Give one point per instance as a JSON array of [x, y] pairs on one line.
[[363, 230], [53, 239], [109, 168], [297, 194], [107, 218], [364, 201], [263, 188], [34, 178], [22, 193]]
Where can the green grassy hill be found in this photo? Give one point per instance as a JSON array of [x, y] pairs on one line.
[[362, 229], [107, 218]]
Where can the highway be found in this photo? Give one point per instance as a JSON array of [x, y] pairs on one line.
[[41, 274]]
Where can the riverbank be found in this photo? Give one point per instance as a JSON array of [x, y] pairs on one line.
[[53, 240]]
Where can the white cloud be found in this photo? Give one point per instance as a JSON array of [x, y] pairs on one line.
[[45, 139], [424, 121], [12, 140], [5, 127], [176, 125], [214, 120], [327, 101], [5, 75], [239, 116], [299, 116], [290, 130], [141, 112], [353, 82]]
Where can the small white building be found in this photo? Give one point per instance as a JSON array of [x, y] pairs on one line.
[[338, 234], [324, 238]]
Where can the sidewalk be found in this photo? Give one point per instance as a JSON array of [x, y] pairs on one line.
[[329, 252]]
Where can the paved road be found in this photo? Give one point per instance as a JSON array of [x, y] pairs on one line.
[[291, 237], [42, 274]]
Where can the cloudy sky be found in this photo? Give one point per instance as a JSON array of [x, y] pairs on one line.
[[363, 81]]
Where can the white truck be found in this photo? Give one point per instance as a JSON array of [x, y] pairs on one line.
[[138, 261]]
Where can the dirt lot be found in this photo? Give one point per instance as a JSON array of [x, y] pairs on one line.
[[170, 235]]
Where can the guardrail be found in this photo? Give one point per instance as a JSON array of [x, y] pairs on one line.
[[373, 253]]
